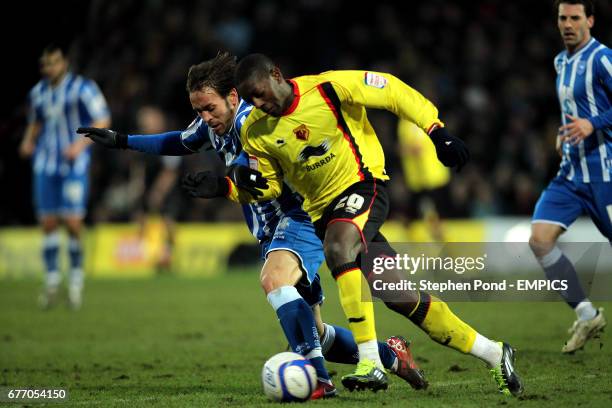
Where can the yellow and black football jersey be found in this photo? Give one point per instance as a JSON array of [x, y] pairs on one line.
[[324, 142]]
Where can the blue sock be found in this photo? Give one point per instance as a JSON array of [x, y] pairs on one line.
[[299, 326], [339, 346], [557, 267], [50, 250], [76, 253], [50, 255]]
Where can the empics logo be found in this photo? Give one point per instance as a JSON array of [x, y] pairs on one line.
[[313, 151], [301, 132]]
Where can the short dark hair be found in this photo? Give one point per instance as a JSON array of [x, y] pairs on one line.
[[216, 73], [589, 5], [253, 65], [54, 47]]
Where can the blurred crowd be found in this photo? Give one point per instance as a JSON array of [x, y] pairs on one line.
[[487, 65]]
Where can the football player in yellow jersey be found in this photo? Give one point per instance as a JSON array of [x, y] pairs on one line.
[[426, 178], [313, 132]]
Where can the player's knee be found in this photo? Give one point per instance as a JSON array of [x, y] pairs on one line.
[[337, 253], [275, 277], [49, 224], [73, 227], [541, 242]]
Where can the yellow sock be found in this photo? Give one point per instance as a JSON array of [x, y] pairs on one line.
[[444, 327], [358, 307]]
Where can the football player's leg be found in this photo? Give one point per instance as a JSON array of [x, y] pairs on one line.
[[281, 272], [313, 295], [558, 207], [337, 342], [74, 203], [51, 243], [436, 319], [341, 245], [75, 252], [47, 199], [428, 312], [342, 229], [597, 200], [557, 266]]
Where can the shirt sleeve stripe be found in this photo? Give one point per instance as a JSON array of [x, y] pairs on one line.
[[331, 98]]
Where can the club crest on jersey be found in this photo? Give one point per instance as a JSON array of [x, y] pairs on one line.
[[581, 68], [313, 151], [253, 163], [375, 80], [301, 132]]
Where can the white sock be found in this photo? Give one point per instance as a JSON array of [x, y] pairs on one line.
[[369, 350], [283, 295], [487, 350], [53, 279], [76, 279], [585, 310]]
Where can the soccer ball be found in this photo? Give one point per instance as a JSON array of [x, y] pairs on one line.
[[288, 377]]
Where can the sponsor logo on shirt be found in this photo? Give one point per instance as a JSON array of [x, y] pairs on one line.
[[313, 151], [320, 163]]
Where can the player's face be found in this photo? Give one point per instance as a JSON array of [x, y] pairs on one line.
[[266, 93], [217, 111], [574, 25], [53, 66]]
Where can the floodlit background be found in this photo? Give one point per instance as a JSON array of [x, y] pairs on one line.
[[487, 65]]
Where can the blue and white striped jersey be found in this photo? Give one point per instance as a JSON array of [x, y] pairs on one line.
[[584, 88], [76, 101], [262, 217]]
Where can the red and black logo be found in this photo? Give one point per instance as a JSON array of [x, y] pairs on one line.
[[301, 132]]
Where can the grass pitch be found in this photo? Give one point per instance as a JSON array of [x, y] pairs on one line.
[[184, 342]]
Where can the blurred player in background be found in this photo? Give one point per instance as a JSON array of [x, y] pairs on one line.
[[162, 195], [583, 183], [292, 251], [426, 178], [313, 132], [59, 104]]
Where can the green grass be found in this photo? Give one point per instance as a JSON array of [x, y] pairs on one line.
[[179, 342]]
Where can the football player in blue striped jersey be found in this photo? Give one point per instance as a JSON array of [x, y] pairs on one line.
[[583, 183], [59, 103]]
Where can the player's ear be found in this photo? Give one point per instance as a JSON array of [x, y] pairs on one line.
[[233, 95], [591, 21], [276, 74]]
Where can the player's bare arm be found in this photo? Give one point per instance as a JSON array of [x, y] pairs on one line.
[[28, 144]]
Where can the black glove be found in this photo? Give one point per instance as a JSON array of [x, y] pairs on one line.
[[105, 137], [247, 179], [451, 150], [205, 184]]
